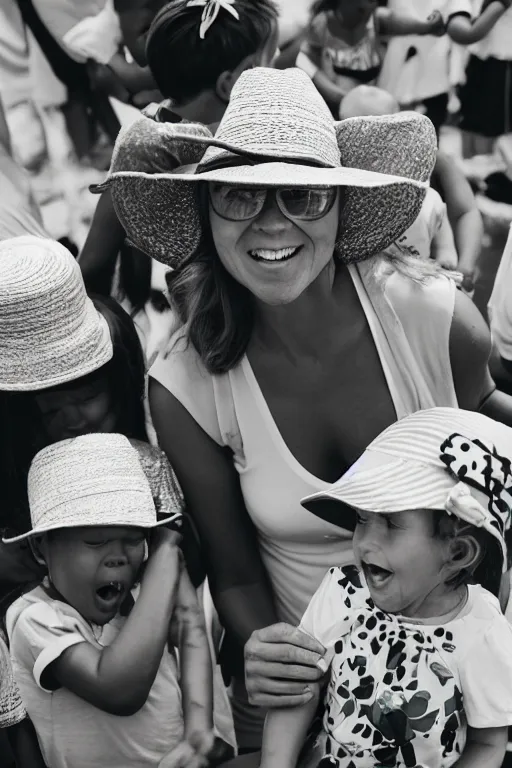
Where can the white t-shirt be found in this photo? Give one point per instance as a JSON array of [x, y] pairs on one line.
[[404, 688], [500, 304], [417, 240], [73, 733]]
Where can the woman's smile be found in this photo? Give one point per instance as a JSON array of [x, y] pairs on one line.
[[274, 255]]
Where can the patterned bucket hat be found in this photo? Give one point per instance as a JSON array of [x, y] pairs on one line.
[[50, 332], [441, 458], [91, 480], [276, 132]]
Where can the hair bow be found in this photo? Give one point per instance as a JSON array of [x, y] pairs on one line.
[[211, 11], [477, 466]]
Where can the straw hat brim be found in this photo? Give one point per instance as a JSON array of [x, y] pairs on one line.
[[73, 524]]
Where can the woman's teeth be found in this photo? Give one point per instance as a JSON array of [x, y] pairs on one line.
[[266, 254]]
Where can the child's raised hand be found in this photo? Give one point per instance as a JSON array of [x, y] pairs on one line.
[[202, 742], [436, 23], [163, 538]]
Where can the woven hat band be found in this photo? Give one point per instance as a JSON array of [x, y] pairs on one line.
[[273, 121]]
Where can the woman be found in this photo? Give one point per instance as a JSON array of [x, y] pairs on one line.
[[291, 353]]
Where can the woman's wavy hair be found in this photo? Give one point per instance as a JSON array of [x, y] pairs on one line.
[[216, 313], [23, 434]]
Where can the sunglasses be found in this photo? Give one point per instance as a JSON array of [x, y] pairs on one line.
[[243, 203]]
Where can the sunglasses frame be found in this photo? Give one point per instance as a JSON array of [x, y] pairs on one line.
[[277, 192]]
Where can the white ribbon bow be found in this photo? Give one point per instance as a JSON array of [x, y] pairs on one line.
[[463, 505], [211, 11]]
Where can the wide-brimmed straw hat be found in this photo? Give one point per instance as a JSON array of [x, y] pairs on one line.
[[276, 132], [92, 480], [50, 332], [440, 459]]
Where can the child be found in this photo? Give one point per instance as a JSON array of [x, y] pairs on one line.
[[343, 47], [486, 95], [418, 649], [92, 653], [195, 67]]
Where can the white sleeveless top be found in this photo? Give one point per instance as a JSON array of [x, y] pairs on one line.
[[410, 325]]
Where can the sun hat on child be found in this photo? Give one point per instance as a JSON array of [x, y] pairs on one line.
[[441, 458], [50, 332], [89, 480], [276, 132]]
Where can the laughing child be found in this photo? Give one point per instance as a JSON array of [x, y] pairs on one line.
[[93, 652], [418, 650]]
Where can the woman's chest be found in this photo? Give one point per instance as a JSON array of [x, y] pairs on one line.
[[326, 414]]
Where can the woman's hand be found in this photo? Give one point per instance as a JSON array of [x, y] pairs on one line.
[[280, 662]]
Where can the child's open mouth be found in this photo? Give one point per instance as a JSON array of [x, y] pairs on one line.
[[110, 593], [376, 576]]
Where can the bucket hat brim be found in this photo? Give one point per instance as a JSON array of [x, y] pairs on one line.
[[39, 530]]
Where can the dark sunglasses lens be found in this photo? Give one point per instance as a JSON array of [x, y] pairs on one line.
[[236, 203], [307, 203]]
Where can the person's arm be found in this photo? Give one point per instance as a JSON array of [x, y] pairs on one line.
[[196, 674], [98, 257], [118, 678], [463, 214], [470, 349], [285, 733], [24, 745], [442, 247], [484, 747], [464, 30], [395, 24], [211, 487]]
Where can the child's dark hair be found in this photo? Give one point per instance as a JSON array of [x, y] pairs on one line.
[[479, 549], [322, 6], [23, 434], [183, 65]]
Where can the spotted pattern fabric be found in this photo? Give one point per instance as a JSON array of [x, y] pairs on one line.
[[395, 696]]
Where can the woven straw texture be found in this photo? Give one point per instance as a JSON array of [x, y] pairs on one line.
[[92, 480], [276, 114], [50, 332], [12, 710]]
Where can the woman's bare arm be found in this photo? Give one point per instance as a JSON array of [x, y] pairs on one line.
[[465, 31], [211, 487]]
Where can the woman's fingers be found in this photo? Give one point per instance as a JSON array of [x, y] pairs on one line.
[[271, 671], [268, 701], [286, 633]]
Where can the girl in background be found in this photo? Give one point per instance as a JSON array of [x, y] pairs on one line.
[[343, 47]]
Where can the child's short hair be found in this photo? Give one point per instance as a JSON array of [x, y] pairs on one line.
[[183, 64]]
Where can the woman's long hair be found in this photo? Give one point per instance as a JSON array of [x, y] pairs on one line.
[[22, 432], [217, 313]]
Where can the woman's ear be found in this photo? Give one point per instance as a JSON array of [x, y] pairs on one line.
[[227, 79]]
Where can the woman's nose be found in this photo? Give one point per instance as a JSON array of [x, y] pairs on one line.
[[271, 219]]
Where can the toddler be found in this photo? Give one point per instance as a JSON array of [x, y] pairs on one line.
[[343, 46], [92, 652], [417, 645]]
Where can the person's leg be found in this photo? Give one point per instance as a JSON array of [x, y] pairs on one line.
[[436, 108]]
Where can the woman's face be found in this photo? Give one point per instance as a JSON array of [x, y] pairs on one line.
[[275, 256], [78, 408]]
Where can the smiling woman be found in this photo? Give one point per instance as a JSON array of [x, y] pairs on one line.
[[296, 343]]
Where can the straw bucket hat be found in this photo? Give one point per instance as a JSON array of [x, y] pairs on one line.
[[441, 459], [276, 132], [92, 480], [50, 332]]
